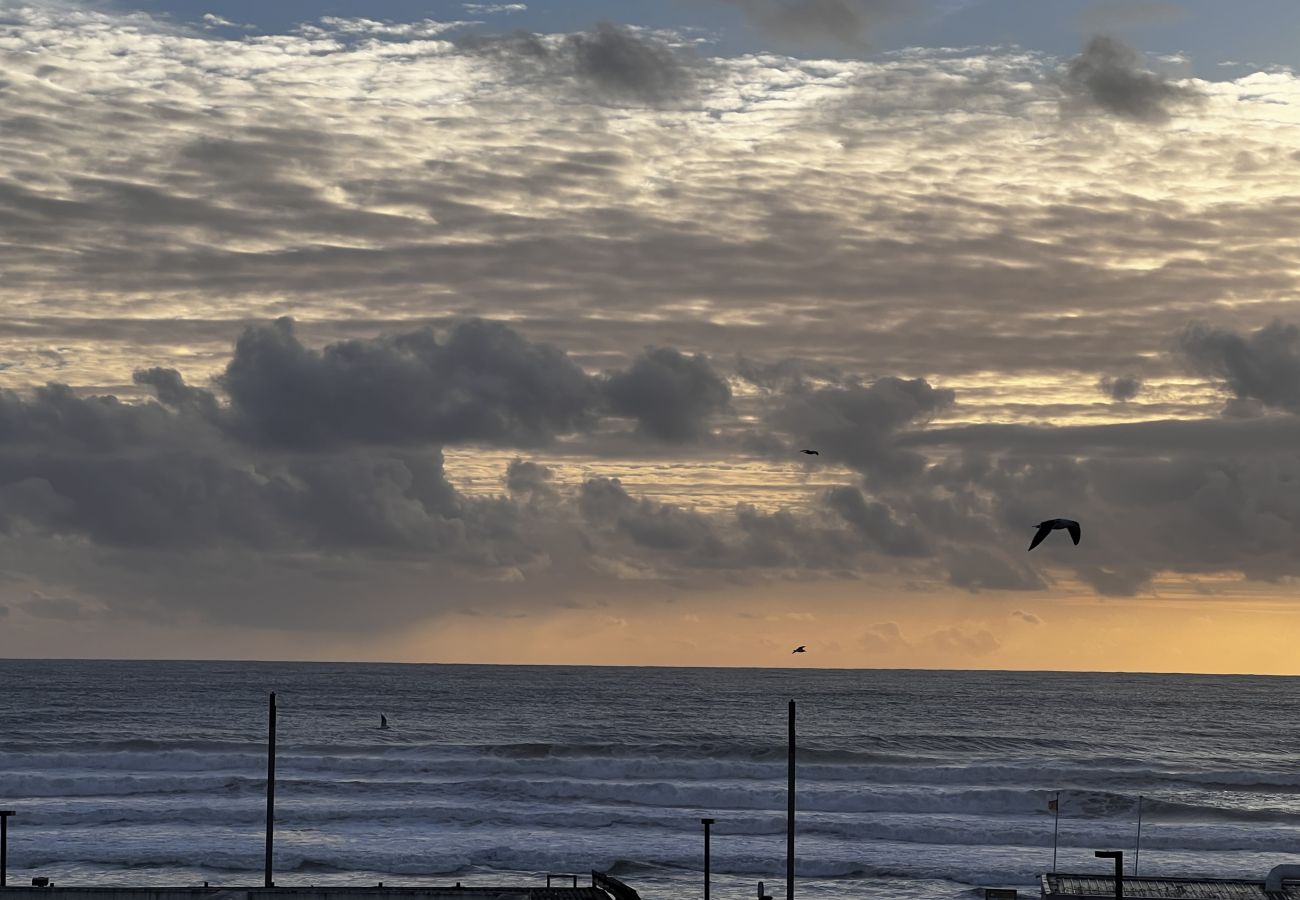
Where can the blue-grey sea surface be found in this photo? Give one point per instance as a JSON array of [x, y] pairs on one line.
[[911, 784]]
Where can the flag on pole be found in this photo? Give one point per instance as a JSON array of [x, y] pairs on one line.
[[1051, 804]]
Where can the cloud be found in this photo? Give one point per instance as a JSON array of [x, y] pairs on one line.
[[1026, 617], [1263, 365], [483, 383], [963, 641], [489, 9], [605, 502], [1109, 76], [1121, 388], [529, 478], [829, 219], [671, 396], [878, 523], [211, 20], [844, 21], [623, 63], [883, 637], [854, 425], [982, 569], [346, 25], [612, 63], [58, 608]]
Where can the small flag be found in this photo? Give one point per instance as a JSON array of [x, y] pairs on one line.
[[1051, 804]]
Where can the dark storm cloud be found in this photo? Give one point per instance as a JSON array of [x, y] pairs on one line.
[[483, 383], [171, 390], [845, 21], [1109, 75], [1195, 505], [1120, 388], [855, 425], [622, 63], [525, 477], [658, 526], [681, 542], [55, 420], [878, 523], [145, 475], [1263, 365], [670, 395], [611, 62]]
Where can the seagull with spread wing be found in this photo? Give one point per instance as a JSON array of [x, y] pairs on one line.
[[1045, 528], [799, 649]]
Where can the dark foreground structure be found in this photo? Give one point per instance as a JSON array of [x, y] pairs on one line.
[[1283, 883], [602, 887]]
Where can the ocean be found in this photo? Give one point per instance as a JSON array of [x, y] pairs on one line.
[[911, 784]]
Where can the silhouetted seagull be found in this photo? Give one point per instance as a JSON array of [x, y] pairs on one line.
[[811, 452], [383, 721], [1051, 525], [799, 649]]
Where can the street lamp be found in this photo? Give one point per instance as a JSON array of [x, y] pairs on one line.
[[4, 844], [1118, 856], [706, 823]]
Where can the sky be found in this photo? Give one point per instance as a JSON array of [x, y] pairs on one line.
[[492, 332]]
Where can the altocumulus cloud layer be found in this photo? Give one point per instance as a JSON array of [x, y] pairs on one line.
[[548, 256]]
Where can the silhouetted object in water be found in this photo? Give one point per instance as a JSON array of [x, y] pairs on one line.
[[799, 649], [811, 452], [1051, 525], [383, 721]]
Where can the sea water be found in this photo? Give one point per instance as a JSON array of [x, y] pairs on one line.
[[911, 784]]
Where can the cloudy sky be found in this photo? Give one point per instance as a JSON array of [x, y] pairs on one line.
[[491, 332]]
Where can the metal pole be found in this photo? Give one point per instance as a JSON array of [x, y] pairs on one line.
[[1056, 826], [789, 816], [706, 823], [4, 845], [270, 792], [1118, 856], [1137, 850]]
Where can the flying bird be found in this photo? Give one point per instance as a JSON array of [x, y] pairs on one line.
[[1051, 525], [799, 649], [811, 452]]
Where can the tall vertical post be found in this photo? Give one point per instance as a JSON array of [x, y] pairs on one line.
[[270, 792], [1056, 826], [4, 845], [706, 823], [1118, 856], [1137, 850], [789, 815]]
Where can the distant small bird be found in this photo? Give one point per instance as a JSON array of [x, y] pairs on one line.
[[383, 721], [1051, 525], [799, 649], [811, 452]]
